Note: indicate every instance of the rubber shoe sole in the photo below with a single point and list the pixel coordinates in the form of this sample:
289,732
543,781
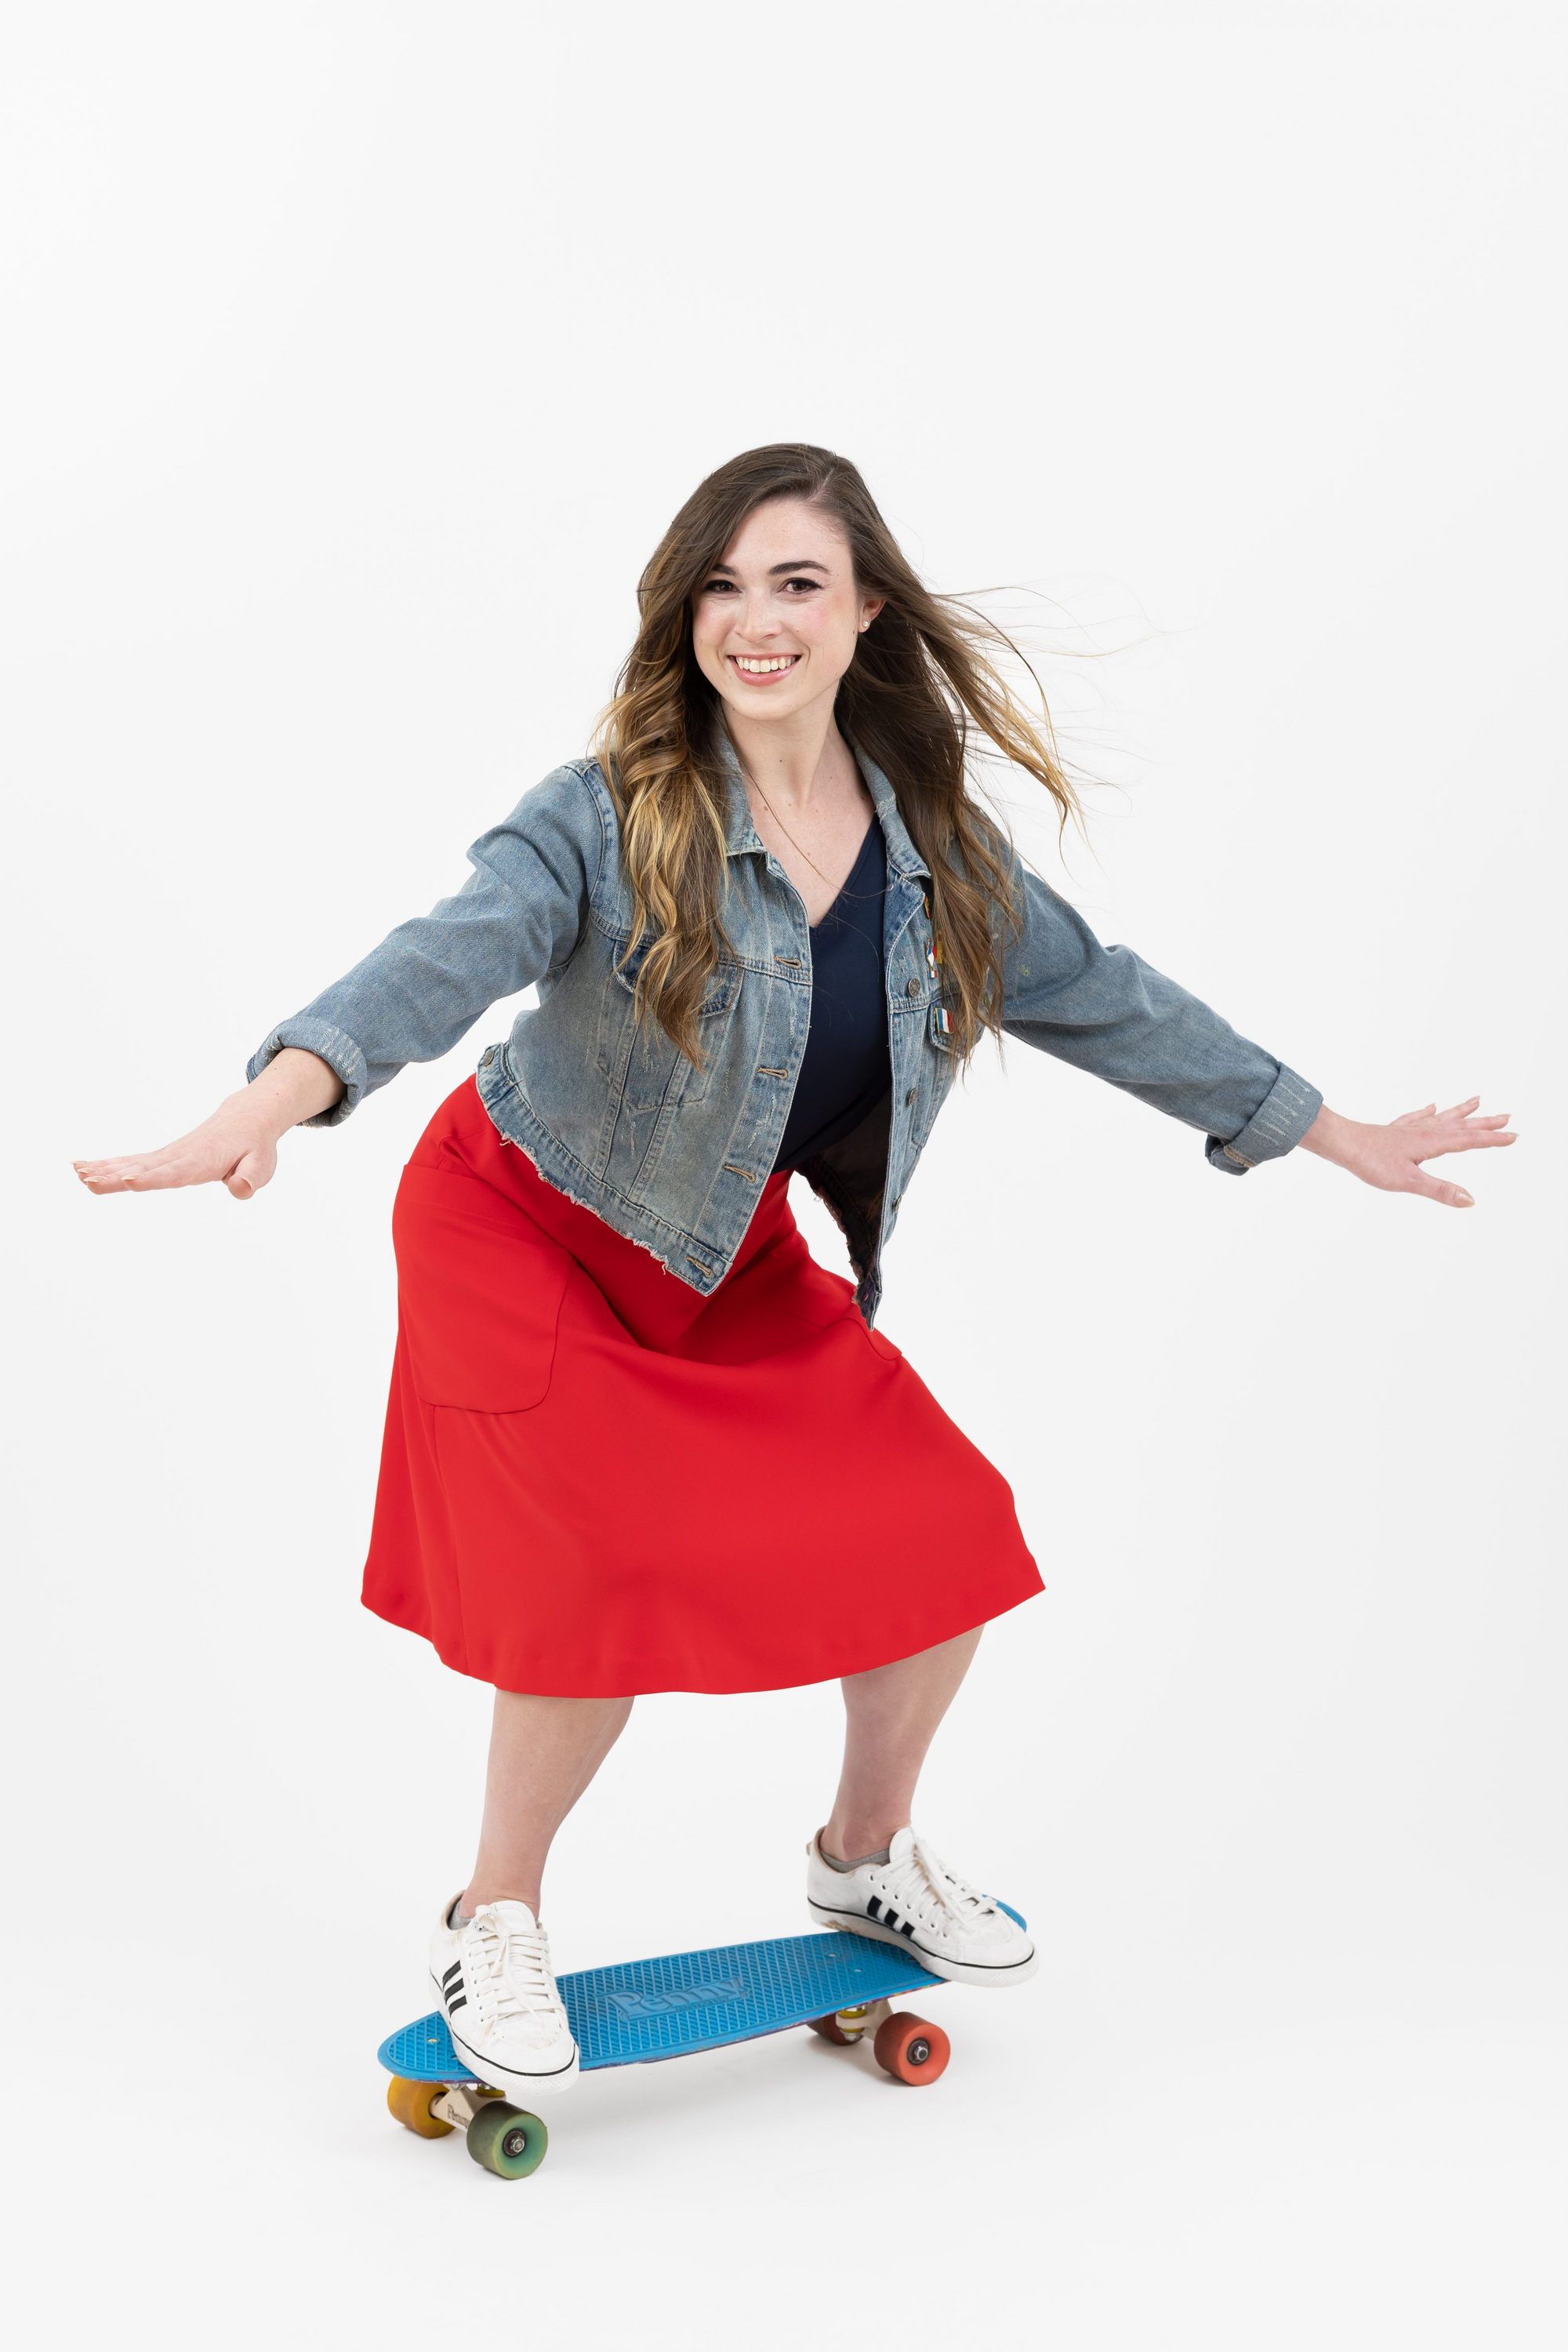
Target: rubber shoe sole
1014,1972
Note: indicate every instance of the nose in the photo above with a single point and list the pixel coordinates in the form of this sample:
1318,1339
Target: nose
758,620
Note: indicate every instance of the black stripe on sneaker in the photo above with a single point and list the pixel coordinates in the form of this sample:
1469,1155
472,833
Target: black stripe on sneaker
874,1907
906,1929
453,2006
451,1972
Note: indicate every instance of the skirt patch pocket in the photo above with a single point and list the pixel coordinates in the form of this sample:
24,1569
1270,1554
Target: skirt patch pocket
479,1292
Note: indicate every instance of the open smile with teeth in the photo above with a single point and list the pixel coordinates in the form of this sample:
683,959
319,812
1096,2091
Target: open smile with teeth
774,665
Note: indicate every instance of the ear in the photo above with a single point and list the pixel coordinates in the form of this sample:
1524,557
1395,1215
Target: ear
869,612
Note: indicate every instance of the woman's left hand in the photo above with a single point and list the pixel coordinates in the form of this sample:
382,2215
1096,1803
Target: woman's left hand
1390,1157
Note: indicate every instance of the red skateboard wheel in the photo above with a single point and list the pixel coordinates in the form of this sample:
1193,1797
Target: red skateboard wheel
911,2049
828,2026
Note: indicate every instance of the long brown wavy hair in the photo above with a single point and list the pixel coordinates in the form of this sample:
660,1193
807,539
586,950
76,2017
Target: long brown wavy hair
922,686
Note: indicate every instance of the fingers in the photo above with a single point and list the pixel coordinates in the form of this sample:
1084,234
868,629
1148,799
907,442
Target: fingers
125,1163
154,1174
1476,1134
162,1175
1460,1129
250,1172
150,1171
1433,1187
109,1175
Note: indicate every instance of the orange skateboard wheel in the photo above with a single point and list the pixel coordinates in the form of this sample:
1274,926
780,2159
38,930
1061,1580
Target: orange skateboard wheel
911,2050
830,2029
411,2102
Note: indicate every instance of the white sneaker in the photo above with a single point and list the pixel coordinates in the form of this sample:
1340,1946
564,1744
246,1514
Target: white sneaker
493,1980
915,1902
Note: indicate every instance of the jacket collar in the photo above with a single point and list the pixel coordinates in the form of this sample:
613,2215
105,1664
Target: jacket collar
741,835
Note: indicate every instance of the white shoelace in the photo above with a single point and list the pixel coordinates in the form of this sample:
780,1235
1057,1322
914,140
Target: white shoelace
508,1970
924,1889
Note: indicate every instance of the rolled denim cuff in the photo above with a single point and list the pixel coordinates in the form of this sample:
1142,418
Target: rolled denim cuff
334,1047
1277,1127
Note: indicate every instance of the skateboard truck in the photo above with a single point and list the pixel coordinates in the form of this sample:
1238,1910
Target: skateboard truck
460,2103
854,2023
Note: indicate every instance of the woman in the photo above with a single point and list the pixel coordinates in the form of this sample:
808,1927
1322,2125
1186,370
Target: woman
638,1440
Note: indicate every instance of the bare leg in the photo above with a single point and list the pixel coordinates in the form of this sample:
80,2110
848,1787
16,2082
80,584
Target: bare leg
543,1753
892,1715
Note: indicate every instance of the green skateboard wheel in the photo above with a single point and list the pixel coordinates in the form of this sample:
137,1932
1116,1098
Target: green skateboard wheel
507,2141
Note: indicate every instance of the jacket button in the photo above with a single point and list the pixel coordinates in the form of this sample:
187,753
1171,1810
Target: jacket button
913,1097
898,1198
488,1058
913,987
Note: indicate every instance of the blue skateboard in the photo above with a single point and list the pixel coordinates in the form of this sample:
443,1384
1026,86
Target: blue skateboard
640,2010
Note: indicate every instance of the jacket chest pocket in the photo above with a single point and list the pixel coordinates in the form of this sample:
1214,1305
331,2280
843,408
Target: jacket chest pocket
938,1066
639,1062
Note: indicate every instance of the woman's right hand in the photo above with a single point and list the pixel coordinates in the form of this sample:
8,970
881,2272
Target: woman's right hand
237,1147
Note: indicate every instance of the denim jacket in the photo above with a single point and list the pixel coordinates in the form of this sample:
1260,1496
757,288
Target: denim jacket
674,1156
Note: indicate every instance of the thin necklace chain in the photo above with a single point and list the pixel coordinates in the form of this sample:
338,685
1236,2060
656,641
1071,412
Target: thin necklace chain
784,829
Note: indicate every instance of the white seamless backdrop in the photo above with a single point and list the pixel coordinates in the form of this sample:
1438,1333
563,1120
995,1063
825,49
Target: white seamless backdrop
356,356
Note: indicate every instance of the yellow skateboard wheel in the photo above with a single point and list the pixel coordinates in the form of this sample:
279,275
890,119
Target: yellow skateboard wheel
411,2103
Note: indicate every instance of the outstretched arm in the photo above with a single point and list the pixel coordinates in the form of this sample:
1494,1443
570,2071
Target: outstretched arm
519,915
237,1147
1108,1012
1391,1157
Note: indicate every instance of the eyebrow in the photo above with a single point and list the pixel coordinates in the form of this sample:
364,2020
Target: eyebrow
806,563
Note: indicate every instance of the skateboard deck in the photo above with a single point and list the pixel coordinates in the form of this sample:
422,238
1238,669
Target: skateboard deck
838,1983
640,2010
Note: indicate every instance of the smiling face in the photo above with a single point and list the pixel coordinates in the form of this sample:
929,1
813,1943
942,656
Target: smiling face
774,624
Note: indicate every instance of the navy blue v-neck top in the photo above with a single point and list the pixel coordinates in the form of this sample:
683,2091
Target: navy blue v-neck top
846,1070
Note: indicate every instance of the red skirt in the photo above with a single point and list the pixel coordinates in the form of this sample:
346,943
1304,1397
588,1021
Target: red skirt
595,1481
